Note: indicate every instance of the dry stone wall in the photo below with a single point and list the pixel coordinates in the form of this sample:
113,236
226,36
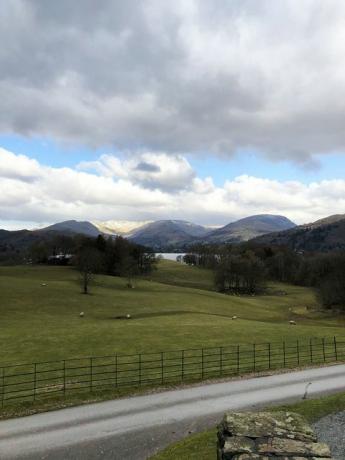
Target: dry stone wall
268,436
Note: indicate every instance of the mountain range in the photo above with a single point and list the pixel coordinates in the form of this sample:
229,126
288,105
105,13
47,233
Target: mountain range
161,235
176,235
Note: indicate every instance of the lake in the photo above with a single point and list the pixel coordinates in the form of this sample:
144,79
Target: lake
170,255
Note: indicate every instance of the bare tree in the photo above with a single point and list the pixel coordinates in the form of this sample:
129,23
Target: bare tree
89,262
129,269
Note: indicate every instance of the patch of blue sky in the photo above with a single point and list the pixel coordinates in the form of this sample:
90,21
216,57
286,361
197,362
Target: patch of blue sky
330,166
246,162
51,153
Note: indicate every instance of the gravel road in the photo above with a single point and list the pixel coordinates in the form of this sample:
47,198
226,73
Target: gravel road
331,429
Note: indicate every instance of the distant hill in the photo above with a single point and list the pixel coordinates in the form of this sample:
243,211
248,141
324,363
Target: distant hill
14,240
248,228
322,235
167,234
119,227
73,227
13,244
325,221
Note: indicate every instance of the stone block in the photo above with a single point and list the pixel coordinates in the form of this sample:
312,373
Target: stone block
290,447
268,436
256,425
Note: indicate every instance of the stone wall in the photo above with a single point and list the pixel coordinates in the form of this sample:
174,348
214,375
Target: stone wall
268,436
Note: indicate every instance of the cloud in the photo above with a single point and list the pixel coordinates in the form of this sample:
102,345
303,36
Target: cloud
151,170
183,76
25,169
147,167
124,193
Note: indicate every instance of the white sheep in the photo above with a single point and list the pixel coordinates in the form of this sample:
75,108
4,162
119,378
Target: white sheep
128,316
234,317
81,314
292,322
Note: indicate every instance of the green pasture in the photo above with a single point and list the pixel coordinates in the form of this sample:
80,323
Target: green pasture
39,323
170,272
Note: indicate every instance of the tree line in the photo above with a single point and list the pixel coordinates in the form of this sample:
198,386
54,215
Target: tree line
114,256
247,268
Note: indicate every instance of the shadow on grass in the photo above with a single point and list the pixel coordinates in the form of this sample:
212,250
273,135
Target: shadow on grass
167,313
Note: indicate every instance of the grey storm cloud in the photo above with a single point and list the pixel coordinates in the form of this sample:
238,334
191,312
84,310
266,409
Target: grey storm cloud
184,76
147,167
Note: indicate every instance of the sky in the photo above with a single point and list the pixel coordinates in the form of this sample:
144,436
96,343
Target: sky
143,110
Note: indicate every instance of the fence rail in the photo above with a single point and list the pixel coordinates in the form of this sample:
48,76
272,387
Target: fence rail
36,381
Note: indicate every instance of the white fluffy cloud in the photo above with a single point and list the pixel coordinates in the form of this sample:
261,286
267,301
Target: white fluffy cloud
152,170
31,193
181,76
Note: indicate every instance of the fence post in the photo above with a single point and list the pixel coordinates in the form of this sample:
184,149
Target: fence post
64,377
116,379
323,349
202,363
35,380
3,388
298,358
162,366
220,361
335,348
238,359
139,368
311,350
182,365
91,374
284,353
254,357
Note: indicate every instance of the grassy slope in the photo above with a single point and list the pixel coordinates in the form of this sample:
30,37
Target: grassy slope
170,272
203,445
43,323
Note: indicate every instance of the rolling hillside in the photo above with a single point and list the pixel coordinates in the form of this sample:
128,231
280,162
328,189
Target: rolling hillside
73,227
41,305
248,228
323,235
164,234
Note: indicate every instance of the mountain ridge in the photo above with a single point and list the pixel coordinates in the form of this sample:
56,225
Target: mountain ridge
162,234
166,235
72,227
250,227
325,234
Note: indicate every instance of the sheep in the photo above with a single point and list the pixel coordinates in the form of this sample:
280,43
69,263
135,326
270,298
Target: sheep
234,317
292,322
43,284
81,314
128,316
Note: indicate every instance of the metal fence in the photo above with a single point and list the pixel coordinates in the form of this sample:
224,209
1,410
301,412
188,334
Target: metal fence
36,381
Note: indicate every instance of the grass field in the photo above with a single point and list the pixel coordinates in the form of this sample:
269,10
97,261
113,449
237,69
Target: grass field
176,274
42,322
